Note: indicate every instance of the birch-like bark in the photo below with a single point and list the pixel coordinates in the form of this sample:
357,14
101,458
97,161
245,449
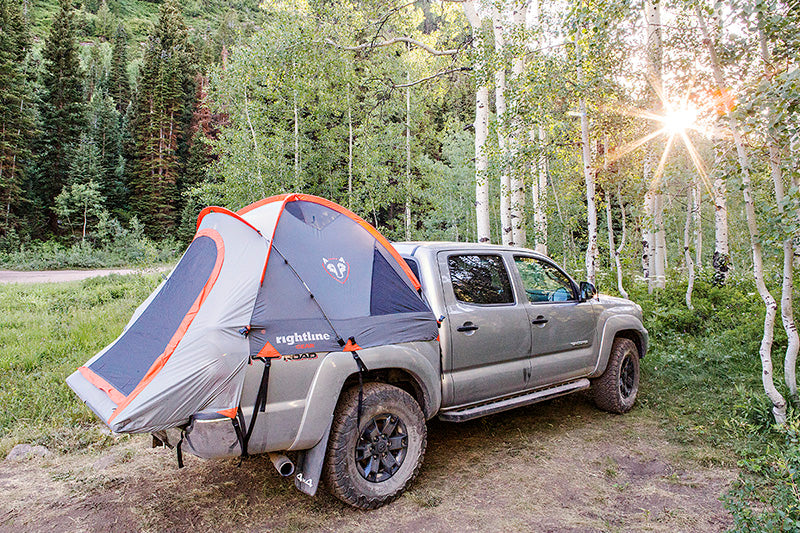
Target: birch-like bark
660,259
588,175
518,223
720,261
408,158
697,197
687,255
500,109
539,193
482,227
648,237
612,248
765,350
656,238
787,313
618,251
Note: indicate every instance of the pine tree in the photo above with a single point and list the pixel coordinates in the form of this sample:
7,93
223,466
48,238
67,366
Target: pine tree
106,135
161,121
63,112
119,87
15,115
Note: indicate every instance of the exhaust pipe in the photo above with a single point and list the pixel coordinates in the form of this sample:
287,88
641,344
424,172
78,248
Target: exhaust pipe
283,464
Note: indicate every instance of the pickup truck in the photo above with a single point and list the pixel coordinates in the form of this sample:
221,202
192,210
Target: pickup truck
514,329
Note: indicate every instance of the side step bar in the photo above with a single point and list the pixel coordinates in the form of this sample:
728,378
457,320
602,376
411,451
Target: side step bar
468,413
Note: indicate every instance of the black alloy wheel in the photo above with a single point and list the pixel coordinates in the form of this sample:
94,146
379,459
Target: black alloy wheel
627,377
381,448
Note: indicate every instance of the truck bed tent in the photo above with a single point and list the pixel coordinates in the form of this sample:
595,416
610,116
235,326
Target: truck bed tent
287,275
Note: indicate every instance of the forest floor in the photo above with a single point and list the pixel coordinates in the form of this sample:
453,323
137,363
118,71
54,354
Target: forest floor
557,466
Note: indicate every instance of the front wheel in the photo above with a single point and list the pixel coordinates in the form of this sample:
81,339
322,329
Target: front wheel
615,391
371,465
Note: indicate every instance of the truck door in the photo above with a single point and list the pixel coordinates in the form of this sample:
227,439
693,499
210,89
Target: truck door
563,327
489,330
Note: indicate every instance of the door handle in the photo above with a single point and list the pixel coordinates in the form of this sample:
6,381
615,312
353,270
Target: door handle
539,320
468,326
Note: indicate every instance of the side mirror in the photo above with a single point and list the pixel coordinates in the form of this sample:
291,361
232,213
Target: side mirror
587,291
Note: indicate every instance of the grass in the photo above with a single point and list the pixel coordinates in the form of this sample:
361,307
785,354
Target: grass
46,332
700,384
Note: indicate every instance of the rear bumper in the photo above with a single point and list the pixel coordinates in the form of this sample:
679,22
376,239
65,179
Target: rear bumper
208,435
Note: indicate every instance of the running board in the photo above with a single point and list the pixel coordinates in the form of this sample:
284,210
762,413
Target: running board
468,413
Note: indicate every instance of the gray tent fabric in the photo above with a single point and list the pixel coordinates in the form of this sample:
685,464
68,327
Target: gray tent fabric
289,274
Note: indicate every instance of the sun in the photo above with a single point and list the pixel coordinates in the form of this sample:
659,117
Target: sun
675,121
679,120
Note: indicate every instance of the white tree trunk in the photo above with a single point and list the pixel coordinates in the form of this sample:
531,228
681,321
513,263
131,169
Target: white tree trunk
518,230
697,198
765,351
502,146
660,258
618,251
648,237
656,237
588,175
787,313
539,194
687,255
483,227
720,261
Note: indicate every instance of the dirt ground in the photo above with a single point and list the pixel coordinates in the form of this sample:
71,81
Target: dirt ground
57,276
552,467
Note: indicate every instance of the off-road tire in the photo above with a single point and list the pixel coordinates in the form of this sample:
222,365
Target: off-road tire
612,391
341,474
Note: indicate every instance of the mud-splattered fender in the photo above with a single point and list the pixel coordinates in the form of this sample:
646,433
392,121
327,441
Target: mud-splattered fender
626,324
420,360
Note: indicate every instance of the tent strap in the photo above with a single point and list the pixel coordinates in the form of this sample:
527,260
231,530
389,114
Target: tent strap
260,406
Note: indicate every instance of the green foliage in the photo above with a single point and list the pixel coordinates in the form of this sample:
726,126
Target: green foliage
63,111
16,118
119,84
80,204
161,120
767,496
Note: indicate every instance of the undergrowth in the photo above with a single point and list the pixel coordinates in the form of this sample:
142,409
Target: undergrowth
112,245
703,373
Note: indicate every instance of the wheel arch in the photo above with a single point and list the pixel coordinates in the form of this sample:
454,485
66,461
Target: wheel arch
400,378
412,367
624,326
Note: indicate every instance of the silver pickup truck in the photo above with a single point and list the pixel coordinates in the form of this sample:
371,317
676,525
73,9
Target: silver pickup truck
514,329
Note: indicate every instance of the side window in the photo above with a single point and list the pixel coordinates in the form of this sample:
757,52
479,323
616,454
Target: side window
480,279
412,264
543,282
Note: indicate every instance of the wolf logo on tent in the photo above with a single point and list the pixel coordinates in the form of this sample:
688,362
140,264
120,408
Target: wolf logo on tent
250,286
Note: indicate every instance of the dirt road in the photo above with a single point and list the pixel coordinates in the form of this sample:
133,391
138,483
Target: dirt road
56,276
554,467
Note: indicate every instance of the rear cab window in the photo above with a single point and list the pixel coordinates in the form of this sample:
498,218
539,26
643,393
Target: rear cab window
480,279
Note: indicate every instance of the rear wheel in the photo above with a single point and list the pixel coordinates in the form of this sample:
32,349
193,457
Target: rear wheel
371,465
615,391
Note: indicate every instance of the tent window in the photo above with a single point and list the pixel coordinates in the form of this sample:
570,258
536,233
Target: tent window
127,361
